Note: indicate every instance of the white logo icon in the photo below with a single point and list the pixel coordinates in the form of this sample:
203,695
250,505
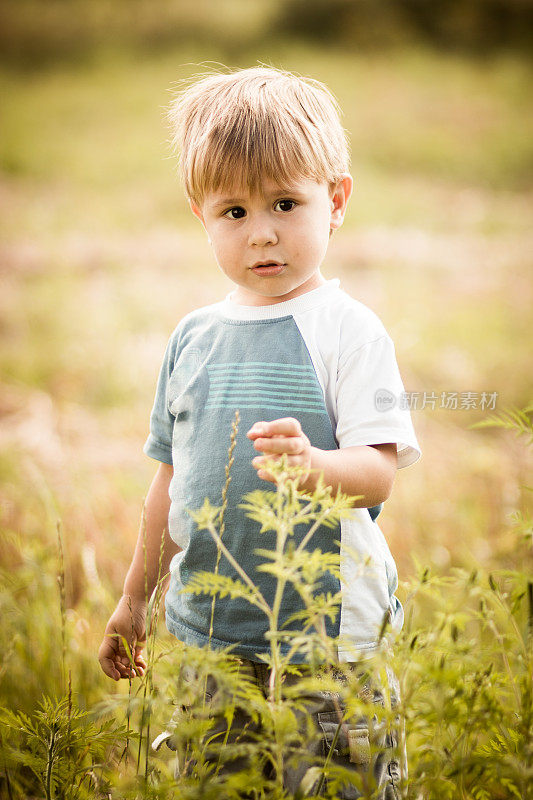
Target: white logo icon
384,400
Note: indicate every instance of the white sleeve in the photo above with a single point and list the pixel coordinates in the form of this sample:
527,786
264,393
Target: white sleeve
368,394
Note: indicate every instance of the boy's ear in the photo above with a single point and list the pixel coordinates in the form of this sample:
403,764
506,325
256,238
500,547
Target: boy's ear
196,211
340,194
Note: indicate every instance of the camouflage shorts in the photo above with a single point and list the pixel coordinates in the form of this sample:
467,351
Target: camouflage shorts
363,745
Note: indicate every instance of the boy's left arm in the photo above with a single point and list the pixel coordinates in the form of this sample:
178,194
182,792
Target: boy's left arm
366,470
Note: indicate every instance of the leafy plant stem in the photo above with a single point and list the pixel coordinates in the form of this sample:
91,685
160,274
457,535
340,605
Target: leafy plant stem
275,676
50,763
258,597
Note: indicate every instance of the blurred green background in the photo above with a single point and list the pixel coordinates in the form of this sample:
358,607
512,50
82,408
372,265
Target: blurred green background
100,257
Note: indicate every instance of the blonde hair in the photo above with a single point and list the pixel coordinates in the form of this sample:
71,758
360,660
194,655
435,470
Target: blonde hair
233,129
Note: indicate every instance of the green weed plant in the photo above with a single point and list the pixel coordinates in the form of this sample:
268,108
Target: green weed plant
464,662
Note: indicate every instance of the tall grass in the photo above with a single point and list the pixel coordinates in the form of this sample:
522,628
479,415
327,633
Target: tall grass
464,661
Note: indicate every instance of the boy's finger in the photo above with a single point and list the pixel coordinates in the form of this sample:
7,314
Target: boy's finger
139,661
258,429
285,426
128,671
112,665
265,476
108,667
286,444
260,461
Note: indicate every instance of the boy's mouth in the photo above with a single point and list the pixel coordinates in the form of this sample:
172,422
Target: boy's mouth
268,268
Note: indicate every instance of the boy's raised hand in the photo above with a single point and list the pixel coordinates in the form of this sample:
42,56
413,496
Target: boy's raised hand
128,622
279,436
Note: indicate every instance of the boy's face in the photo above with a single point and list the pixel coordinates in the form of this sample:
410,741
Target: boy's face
272,243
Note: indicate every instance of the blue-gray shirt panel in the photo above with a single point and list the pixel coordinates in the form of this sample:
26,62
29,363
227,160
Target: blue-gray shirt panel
212,367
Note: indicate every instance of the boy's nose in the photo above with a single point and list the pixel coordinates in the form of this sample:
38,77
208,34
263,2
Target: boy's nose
262,232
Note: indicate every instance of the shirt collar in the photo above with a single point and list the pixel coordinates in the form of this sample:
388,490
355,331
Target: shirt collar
302,302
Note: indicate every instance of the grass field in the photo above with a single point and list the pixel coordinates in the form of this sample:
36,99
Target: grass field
100,258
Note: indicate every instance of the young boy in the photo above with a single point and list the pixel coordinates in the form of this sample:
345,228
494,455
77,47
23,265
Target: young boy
312,372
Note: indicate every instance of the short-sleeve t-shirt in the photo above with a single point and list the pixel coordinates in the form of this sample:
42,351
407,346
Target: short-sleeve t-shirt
323,358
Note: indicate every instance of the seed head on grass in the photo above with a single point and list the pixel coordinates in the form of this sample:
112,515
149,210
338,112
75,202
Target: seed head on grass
62,604
221,521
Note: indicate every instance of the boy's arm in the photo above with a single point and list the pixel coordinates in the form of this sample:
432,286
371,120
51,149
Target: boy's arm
129,618
152,536
367,470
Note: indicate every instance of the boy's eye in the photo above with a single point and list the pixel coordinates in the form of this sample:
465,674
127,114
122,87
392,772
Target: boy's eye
237,212
284,205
